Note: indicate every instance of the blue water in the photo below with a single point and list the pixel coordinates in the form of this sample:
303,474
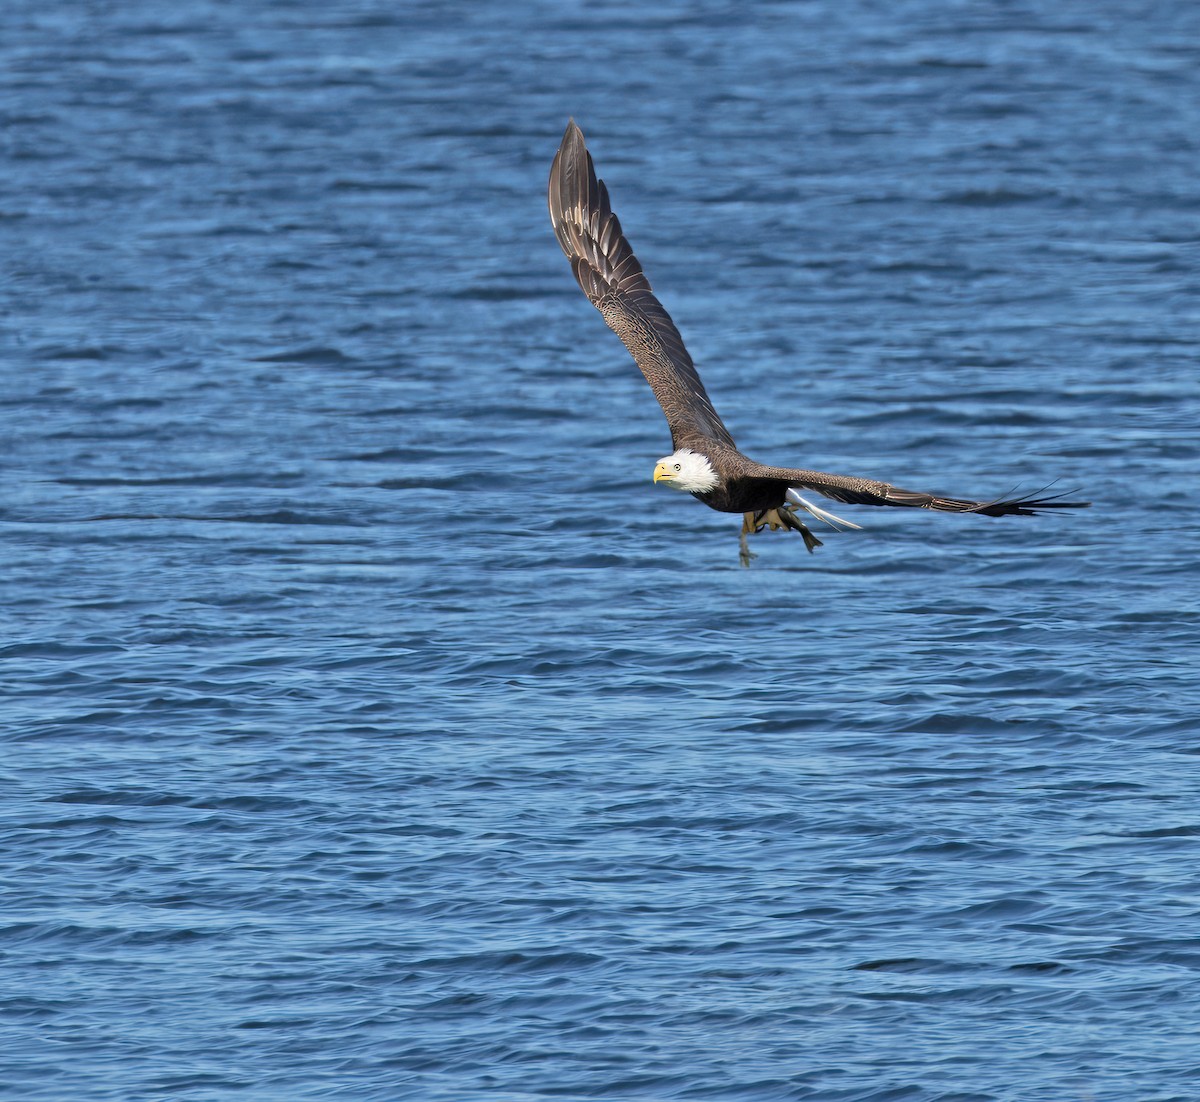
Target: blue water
374,730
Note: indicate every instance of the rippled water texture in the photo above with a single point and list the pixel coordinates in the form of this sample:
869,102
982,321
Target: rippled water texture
374,730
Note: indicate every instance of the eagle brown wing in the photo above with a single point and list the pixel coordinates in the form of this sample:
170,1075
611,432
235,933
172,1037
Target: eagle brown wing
612,279
865,491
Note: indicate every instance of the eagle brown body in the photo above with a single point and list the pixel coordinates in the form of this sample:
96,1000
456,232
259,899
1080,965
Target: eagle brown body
612,279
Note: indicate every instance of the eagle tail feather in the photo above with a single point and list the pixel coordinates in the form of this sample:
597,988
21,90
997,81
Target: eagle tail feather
819,513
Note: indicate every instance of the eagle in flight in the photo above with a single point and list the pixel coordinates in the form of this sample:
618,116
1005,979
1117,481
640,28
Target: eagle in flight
706,463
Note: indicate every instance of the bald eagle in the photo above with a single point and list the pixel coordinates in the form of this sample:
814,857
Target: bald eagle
706,463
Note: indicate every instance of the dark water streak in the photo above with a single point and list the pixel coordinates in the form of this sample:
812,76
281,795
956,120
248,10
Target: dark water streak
373,730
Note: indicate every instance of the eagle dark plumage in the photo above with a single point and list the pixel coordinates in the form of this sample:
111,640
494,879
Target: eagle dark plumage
706,462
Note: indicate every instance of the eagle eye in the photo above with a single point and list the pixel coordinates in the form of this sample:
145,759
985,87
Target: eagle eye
677,467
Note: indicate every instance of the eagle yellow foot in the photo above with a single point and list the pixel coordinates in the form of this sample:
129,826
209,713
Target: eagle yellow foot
783,517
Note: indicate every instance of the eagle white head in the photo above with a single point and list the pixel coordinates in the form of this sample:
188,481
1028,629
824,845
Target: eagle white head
686,470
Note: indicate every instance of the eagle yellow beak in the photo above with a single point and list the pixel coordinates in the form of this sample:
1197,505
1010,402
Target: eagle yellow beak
663,472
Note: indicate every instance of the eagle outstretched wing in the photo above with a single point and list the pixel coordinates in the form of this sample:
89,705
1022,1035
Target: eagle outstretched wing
612,279
851,490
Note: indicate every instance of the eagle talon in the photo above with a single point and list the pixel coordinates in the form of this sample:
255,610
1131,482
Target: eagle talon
782,518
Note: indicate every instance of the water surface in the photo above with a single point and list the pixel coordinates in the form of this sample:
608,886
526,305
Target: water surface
374,730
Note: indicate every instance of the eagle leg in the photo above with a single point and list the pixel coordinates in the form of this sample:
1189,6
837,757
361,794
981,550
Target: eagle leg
745,555
781,517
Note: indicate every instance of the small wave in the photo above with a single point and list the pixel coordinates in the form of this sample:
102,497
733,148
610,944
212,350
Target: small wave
307,354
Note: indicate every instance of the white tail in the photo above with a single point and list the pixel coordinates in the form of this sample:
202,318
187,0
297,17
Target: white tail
819,513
